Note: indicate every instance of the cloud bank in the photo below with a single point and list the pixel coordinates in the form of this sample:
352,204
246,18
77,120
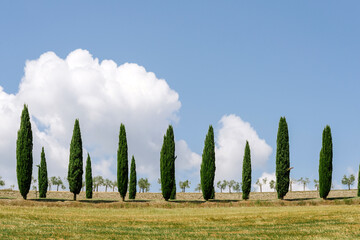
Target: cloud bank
231,141
102,95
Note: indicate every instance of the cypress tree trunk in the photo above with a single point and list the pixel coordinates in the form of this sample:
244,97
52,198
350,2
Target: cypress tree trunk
24,159
122,159
88,178
75,170
207,170
282,159
43,179
325,163
246,173
133,180
167,165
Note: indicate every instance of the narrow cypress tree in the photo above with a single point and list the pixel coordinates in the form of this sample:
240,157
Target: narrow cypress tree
359,183
133,181
88,178
282,159
43,179
75,170
246,173
24,159
207,170
167,165
325,163
122,160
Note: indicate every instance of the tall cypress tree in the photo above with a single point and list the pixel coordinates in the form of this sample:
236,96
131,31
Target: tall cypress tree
75,170
24,159
359,182
358,194
88,178
246,173
43,179
207,170
122,160
325,163
282,159
167,165
133,181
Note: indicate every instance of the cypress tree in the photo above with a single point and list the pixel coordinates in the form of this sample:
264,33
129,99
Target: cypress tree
24,159
167,165
282,159
325,163
88,178
75,170
207,170
43,179
246,173
133,181
358,194
122,162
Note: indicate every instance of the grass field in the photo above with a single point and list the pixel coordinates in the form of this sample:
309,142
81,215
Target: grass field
295,222
149,217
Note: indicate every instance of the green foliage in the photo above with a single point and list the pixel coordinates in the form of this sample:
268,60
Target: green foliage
144,185
282,159
167,165
198,188
56,181
24,158
43,179
349,181
75,170
222,185
98,181
185,184
133,180
246,173
122,162
272,184
2,182
207,170
325,163
88,178
358,194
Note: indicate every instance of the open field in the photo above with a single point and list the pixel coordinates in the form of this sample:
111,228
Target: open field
297,195
295,222
303,215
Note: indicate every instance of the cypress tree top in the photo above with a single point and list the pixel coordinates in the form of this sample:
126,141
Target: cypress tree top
75,170
282,159
24,158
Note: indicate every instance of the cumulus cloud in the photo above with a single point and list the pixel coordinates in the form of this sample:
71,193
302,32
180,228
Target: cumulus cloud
230,145
102,95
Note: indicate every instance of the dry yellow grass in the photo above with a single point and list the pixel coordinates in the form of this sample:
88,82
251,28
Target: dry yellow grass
295,222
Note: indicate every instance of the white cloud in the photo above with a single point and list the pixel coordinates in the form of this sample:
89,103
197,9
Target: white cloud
102,95
230,145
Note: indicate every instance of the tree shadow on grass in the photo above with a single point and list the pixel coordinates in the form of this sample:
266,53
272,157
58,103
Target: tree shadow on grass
340,198
224,200
49,200
187,201
299,199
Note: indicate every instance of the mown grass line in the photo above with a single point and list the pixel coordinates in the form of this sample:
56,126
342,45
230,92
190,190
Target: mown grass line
295,222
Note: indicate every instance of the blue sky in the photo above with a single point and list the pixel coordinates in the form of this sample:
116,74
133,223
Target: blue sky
259,60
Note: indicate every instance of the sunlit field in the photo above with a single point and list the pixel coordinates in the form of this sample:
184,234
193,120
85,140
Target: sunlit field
150,217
